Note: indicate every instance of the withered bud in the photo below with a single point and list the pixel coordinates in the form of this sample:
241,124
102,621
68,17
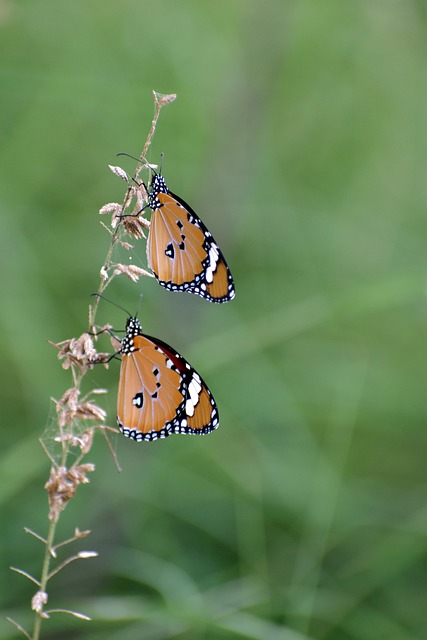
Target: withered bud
102,358
141,194
133,225
118,171
69,409
116,343
141,198
131,271
78,474
162,99
90,411
83,347
79,352
126,245
97,330
87,554
38,601
69,400
84,441
62,486
110,207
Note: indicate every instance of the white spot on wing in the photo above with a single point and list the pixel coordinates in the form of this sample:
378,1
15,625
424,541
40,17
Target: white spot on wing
189,408
194,389
213,261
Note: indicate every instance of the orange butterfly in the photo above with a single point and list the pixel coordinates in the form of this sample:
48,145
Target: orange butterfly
182,253
159,392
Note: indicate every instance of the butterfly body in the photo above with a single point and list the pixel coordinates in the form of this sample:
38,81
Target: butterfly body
159,392
182,253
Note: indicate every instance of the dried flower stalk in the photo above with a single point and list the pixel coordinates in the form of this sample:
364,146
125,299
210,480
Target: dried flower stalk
78,416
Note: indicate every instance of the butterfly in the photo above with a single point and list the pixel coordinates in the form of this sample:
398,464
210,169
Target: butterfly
181,252
159,391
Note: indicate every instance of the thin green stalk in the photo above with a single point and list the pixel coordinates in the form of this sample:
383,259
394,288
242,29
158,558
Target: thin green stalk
47,556
44,576
79,365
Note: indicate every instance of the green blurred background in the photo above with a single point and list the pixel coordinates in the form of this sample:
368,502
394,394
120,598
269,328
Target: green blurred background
300,136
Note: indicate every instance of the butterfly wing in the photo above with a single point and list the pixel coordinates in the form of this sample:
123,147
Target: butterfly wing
151,396
200,415
183,254
160,393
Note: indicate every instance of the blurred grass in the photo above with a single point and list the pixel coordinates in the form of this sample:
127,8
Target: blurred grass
300,136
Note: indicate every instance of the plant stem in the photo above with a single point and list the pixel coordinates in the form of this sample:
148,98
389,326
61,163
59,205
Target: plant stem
117,231
45,574
78,375
48,551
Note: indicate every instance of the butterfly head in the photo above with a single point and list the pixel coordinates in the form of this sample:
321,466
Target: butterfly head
133,328
158,185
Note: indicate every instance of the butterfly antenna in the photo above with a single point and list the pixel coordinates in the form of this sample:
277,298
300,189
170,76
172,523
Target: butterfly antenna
142,161
139,305
99,295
